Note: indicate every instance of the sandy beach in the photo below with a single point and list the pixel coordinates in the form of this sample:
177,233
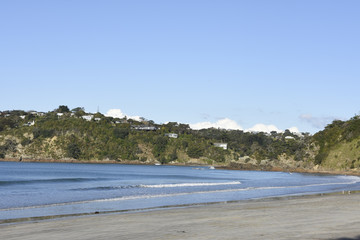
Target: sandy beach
308,217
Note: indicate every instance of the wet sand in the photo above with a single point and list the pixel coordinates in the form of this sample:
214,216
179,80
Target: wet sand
308,217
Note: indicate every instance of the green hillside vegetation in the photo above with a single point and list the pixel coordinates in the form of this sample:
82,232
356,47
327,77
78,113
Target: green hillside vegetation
339,145
75,134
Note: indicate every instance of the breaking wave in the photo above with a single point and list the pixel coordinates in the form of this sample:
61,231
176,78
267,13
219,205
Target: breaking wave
190,185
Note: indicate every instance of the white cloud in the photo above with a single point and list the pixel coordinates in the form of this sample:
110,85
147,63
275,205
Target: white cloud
227,123
294,130
117,113
224,123
269,128
263,128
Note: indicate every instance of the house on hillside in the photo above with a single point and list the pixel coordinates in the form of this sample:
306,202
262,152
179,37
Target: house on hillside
171,135
144,128
221,145
40,114
87,117
289,138
30,123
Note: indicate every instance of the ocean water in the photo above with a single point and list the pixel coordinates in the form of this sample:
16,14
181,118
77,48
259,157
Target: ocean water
44,189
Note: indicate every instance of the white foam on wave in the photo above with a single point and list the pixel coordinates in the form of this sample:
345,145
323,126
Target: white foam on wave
353,179
189,185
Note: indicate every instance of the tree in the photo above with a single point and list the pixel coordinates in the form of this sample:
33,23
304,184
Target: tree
160,144
73,150
63,109
7,122
40,132
121,132
79,111
195,151
9,146
172,156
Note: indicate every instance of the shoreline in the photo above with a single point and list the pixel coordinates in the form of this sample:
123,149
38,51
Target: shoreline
319,216
225,167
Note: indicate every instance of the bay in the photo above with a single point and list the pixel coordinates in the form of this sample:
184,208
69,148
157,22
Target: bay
46,189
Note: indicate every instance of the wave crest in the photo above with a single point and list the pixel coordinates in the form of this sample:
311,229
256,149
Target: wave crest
189,185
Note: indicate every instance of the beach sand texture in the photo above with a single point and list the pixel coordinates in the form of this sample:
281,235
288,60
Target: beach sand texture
307,217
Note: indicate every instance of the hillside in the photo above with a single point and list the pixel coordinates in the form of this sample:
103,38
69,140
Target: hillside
339,145
76,135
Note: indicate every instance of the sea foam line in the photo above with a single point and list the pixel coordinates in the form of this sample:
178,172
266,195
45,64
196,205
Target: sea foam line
189,185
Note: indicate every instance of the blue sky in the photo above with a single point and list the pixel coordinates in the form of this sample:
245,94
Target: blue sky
232,64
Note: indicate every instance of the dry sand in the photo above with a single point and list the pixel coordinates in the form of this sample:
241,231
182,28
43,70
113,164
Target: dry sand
308,217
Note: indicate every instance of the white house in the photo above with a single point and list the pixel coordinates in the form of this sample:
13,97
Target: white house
289,138
172,135
36,113
30,123
145,128
88,117
222,145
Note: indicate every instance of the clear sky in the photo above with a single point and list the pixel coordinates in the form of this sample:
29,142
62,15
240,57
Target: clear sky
223,63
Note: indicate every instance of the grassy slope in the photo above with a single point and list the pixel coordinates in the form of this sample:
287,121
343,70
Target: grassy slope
344,156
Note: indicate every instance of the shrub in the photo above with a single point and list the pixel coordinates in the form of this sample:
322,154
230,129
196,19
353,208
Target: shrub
73,150
195,151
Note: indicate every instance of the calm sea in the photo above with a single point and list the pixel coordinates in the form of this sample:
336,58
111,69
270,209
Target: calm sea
43,189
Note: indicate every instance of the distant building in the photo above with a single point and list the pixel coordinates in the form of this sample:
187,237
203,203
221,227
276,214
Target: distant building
144,128
171,135
121,121
30,123
88,117
36,113
59,114
289,138
221,145
97,119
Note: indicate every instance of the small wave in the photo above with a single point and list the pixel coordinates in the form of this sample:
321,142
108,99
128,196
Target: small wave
354,179
189,185
175,185
106,188
55,180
